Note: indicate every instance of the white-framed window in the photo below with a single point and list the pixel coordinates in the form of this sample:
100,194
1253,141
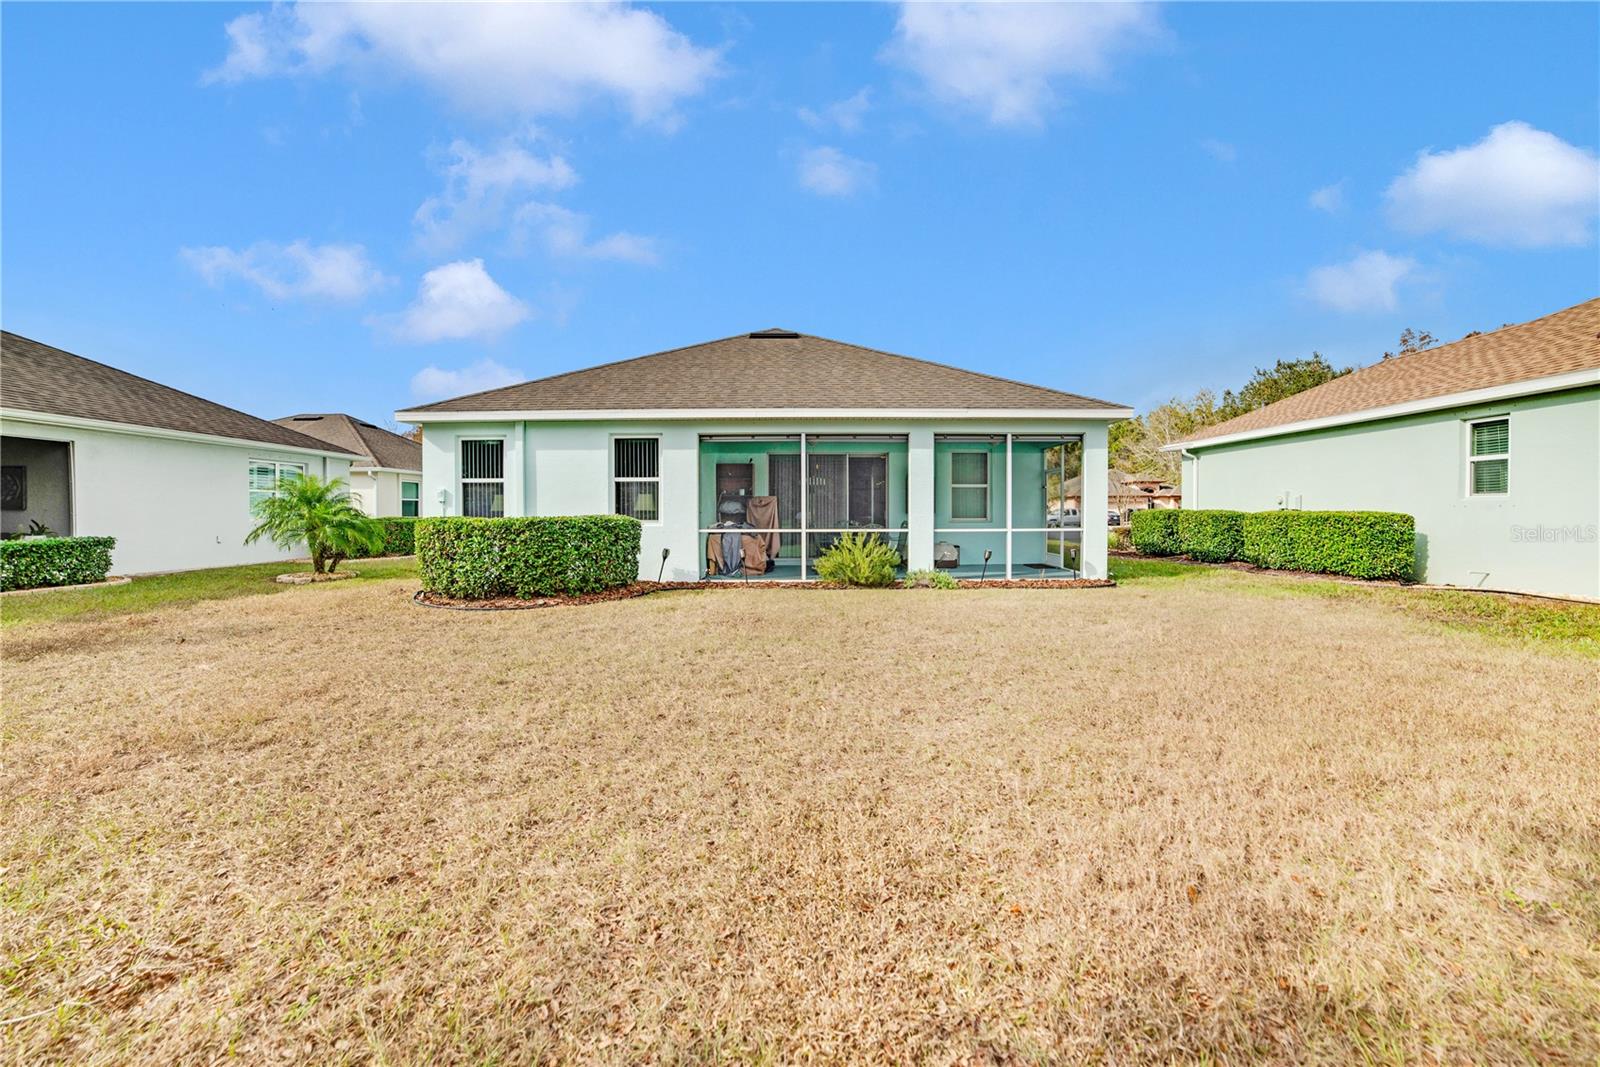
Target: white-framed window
636,477
410,499
483,477
1489,457
265,476
969,486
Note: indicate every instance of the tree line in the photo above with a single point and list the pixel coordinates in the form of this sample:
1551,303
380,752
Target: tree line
1136,444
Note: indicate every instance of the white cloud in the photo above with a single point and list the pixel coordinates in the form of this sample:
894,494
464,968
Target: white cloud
1005,59
436,383
566,233
1329,198
457,301
1365,282
1221,151
827,171
478,184
1518,186
524,59
299,270
846,115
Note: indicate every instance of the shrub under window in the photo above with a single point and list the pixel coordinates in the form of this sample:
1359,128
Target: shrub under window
527,557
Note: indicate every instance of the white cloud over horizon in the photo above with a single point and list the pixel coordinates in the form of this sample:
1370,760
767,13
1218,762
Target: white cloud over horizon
456,301
1329,198
437,383
522,59
845,115
480,182
565,233
299,270
827,171
1519,187
1366,282
1006,60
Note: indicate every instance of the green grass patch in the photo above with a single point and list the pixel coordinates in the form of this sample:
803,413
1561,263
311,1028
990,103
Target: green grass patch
187,587
1550,625
1133,570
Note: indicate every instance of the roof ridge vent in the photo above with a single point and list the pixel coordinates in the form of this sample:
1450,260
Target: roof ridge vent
774,334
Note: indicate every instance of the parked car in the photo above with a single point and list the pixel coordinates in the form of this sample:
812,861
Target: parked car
1114,518
1063,517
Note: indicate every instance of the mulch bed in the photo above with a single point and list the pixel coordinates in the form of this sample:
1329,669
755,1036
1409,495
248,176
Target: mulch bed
638,589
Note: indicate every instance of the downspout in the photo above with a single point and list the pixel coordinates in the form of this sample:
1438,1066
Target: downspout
1184,453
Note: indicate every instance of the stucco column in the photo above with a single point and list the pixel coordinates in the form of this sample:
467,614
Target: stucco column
919,499
1092,511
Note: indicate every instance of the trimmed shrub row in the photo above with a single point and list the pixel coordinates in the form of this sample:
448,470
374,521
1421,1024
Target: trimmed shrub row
477,559
44,561
1361,544
399,537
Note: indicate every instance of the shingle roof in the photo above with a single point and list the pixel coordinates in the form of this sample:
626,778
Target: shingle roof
36,377
782,370
1566,341
378,447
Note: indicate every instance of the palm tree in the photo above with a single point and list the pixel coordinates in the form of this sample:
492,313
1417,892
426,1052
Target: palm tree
318,513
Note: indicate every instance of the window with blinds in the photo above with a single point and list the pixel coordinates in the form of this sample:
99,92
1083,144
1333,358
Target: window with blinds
483,479
410,499
636,477
969,486
265,479
1489,465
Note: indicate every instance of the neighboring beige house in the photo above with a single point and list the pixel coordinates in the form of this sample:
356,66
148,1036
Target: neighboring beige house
387,479
88,449
1126,493
1492,443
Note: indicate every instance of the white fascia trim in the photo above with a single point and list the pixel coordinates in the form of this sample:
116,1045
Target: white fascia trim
73,422
362,469
747,414
1555,383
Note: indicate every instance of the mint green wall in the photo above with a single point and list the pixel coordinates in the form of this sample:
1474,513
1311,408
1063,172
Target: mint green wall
564,468
1418,465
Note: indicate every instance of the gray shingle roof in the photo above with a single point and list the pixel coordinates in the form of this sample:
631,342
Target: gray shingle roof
1559,343
784,370
37,377
377,447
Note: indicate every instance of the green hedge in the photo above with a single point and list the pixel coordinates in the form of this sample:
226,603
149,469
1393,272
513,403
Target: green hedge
527,557
1211,536
399,537
1362,544
1155,531
46,561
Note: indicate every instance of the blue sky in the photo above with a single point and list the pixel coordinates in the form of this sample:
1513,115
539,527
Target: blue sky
288,209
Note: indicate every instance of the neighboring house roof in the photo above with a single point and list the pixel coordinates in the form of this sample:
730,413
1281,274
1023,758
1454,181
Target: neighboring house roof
377,447
769,370
1545,350
36,378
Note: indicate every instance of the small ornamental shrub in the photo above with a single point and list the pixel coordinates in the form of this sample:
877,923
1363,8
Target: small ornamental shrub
858,558
1155,531
399,537
478,559
930,580
54,561
1211,536
1361,544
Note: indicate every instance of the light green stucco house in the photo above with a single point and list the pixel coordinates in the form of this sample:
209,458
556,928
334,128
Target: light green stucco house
1492,443
944,463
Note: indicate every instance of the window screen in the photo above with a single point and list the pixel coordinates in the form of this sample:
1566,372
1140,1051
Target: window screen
636,477
483,485
969,485
1490,463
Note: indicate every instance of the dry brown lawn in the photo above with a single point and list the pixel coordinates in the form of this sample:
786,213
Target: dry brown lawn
1169,821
